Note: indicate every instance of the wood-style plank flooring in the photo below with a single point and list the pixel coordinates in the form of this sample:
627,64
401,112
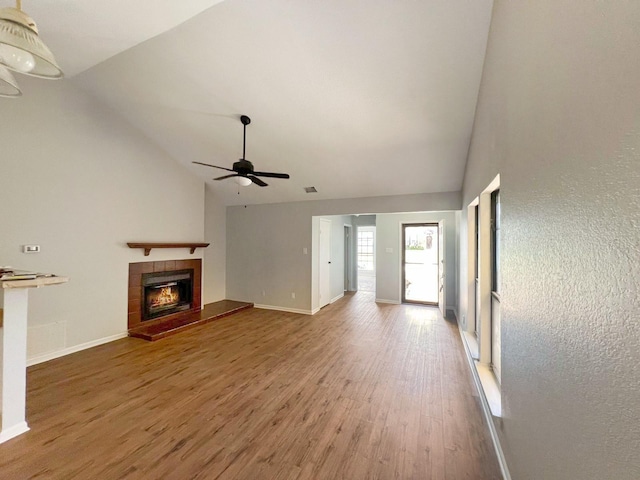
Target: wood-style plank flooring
358,391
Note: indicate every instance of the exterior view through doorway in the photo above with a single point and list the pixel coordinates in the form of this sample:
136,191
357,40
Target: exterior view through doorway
366,249
420,269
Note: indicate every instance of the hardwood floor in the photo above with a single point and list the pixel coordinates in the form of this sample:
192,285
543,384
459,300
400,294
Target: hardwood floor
357,391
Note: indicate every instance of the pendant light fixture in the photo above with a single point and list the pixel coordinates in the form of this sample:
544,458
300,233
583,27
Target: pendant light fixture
8,85
22,50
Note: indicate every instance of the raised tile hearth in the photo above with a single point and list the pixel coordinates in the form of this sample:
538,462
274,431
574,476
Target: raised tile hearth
165,297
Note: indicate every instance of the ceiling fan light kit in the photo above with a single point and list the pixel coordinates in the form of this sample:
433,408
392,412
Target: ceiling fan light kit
242,181
22,50
243,172
8,85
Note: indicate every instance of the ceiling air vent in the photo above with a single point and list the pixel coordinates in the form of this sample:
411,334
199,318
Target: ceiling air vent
310,189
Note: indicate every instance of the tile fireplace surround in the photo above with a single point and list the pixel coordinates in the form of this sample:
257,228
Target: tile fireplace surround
135,304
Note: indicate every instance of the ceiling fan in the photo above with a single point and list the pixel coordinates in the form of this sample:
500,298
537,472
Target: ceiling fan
244,168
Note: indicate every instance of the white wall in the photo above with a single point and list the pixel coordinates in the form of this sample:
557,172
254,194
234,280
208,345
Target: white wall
388,265
215,263
265,244
558,118
80,182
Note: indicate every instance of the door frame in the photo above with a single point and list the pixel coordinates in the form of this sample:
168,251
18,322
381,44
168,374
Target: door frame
403,298
442,271
322,301
348,257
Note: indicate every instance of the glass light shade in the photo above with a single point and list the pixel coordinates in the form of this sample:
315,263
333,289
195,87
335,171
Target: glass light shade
19,31
243,181
19,60
8,85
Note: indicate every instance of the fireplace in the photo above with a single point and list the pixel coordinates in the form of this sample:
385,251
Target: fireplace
163,291
166,293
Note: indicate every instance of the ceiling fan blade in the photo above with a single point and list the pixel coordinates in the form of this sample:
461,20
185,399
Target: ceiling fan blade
271,174
257,181
214,166
226,176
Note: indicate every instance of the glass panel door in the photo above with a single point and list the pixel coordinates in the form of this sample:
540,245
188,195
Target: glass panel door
420,263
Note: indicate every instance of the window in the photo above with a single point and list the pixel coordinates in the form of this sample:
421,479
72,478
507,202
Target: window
495,241
365,250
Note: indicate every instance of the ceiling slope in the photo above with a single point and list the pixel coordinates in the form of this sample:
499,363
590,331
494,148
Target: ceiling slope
359,98
83,33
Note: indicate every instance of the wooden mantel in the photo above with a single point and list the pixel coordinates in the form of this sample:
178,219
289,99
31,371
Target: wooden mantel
148,246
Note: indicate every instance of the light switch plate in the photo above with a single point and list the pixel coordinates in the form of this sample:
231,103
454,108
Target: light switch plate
31,248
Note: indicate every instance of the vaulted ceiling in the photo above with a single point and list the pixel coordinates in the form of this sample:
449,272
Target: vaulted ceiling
357,98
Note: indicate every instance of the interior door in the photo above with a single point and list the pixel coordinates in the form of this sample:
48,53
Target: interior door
324,260
441,271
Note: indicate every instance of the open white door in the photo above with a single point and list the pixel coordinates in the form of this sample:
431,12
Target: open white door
441,270
324,261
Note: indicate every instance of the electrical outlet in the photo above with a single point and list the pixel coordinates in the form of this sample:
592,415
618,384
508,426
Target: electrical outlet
293,294
304,250
263,293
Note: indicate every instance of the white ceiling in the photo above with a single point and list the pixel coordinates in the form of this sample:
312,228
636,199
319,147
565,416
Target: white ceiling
357,98
83,33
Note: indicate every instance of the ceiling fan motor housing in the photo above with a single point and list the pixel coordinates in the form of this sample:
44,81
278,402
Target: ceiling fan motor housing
243,167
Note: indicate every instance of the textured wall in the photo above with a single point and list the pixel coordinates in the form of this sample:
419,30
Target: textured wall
558,117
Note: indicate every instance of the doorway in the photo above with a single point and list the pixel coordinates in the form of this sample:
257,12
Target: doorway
420,263
366,248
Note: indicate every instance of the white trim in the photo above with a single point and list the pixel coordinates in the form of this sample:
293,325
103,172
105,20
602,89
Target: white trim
383,300
472,252
472,343
336,298
490,387
286,309
327,223
486,409
13,432
76,348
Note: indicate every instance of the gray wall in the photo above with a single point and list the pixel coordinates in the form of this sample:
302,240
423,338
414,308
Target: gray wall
265,243
558,118
215,233
388,235
80,182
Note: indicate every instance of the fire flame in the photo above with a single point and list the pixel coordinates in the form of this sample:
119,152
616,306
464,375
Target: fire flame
167,296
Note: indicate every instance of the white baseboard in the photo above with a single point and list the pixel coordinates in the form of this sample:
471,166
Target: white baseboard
383,300
335,299
486,409
285,309
76,348
13,432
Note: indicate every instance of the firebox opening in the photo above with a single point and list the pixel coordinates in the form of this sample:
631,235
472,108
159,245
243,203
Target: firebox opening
167,292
